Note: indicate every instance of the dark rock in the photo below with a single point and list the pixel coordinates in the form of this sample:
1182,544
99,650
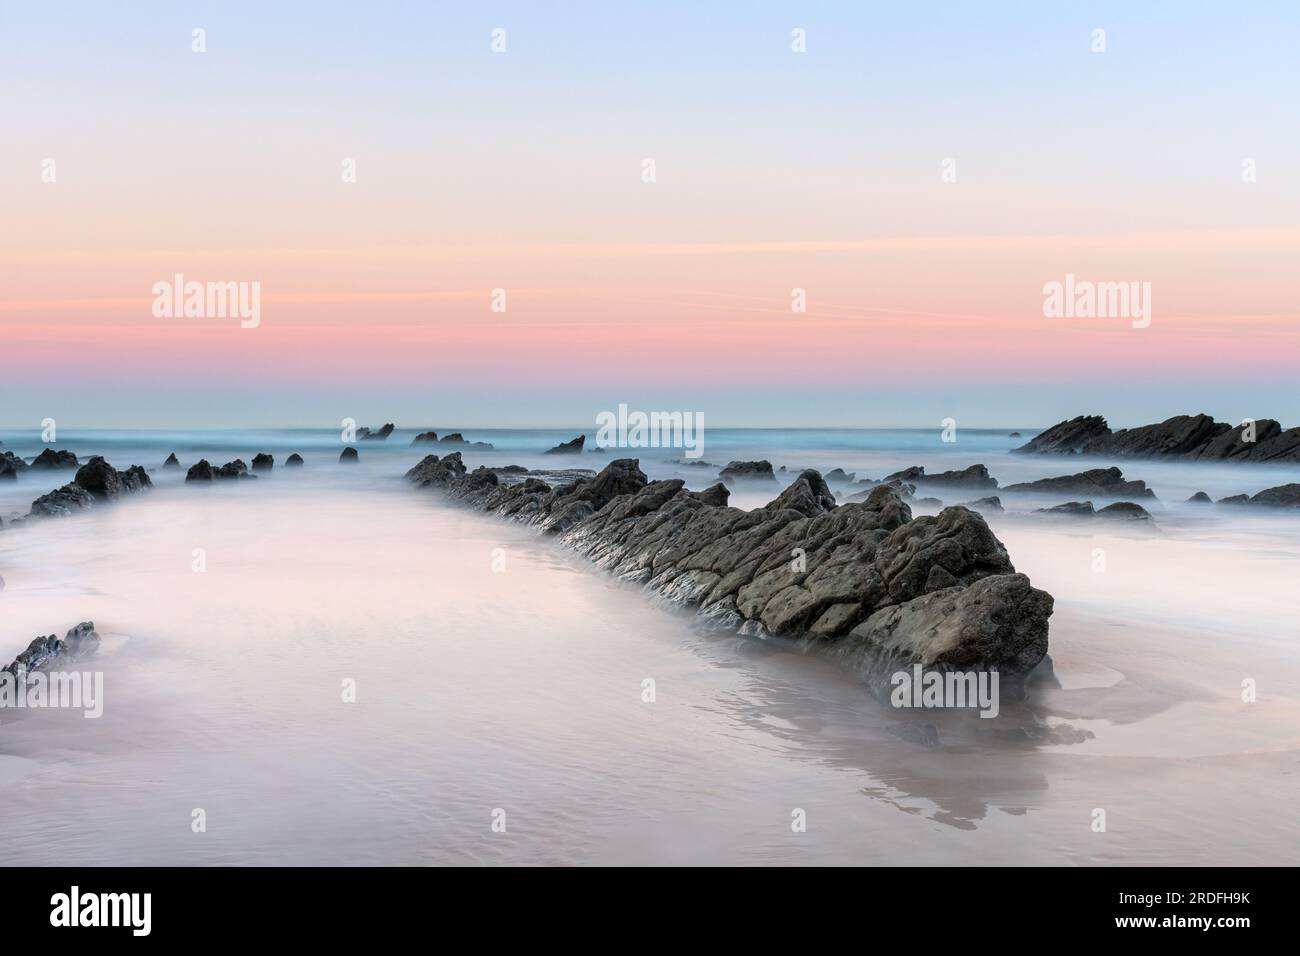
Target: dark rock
433,470
45,653
976,476
1281,496
837,476
201,471
571,447
233,469
747,471
348,456
1183,436
172,461
798,567
1200,498
1014,435
807,495
365,434
716,495
1074,508
104,481
991,504
1235,500
1126,510
11,465
424,437
50,459
63,502
263,461
457,439
294,460
1097,482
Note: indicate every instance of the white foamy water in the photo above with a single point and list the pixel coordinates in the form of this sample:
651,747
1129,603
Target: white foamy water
522,690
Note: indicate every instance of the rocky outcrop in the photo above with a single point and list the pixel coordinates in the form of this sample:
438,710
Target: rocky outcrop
800,567
349,456
990,504
50,459
424,437
1097,482
63,502
1123,510
1281,496
457,440
365,434
104,481
571,447
1200,498
172,461
11,466
47,653
838,476
976,477
747,471
203,470
263,461
1197,437
200,471
293,461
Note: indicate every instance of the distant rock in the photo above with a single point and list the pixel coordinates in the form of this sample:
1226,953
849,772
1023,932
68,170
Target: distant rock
716,495
1097,482
172,461
976,476
1200,498
434,470
456,439
365,434
293,461
747,471
571,447
233,470
1197,437
990,504
11,465
1014,435
424,437
263,461
1281,496
1126,510
200,471
49,459
349,456
1069,508
837,476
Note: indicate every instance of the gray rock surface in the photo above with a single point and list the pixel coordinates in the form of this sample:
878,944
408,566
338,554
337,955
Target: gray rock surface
747,471
1183,436
571,447
1095,483
800,567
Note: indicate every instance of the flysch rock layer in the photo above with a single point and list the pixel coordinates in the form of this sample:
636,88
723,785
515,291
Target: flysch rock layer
880,588
1189,437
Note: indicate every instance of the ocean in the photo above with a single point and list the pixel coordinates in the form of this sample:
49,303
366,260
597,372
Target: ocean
327,666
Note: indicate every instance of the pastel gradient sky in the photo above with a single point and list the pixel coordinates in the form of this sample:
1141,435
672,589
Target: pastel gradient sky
522,171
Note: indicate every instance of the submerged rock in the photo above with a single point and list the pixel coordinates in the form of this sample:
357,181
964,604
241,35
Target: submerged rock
1126,510
976,476
294,461
799,567
200,471
747,471
172,461
1200,498
349,456
365,434
991,504
1281,496
571,447
1096,483
424,437
233,469
11,465
263,461
456,439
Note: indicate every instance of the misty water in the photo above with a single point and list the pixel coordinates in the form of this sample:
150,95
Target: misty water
495,672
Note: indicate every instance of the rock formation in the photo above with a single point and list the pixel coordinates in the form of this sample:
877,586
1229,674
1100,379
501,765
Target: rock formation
349,456
885,589
365,434
1097,482
747,471
1183,436
50,459
571,447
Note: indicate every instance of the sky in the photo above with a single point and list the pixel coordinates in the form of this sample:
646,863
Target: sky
919,171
